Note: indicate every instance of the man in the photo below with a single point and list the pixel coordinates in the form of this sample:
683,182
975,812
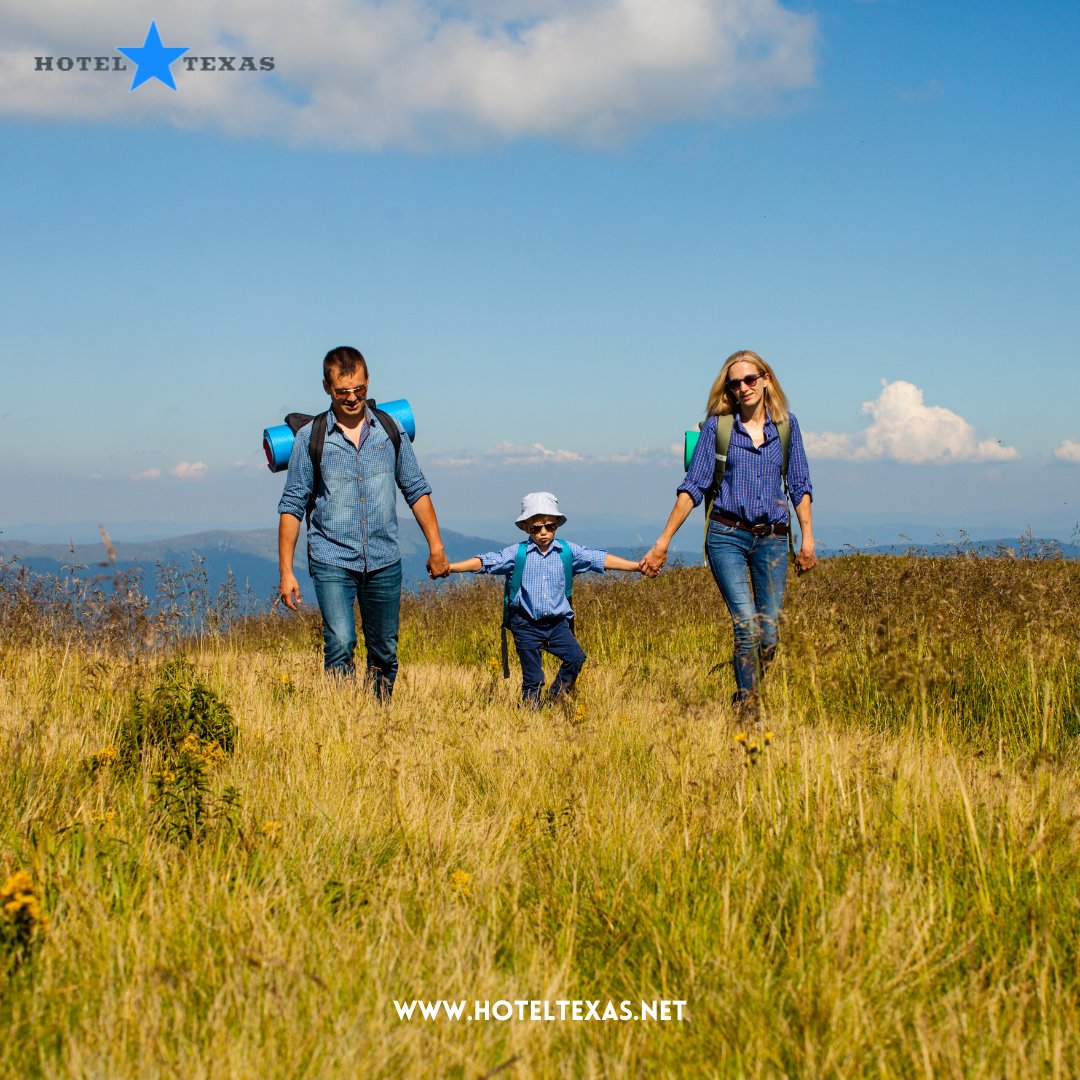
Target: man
353,550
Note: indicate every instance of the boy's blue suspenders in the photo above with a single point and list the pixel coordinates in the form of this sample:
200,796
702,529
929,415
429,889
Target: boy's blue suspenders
513,590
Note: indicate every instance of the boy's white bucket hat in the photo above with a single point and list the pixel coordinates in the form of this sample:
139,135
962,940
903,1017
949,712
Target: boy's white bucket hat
539,502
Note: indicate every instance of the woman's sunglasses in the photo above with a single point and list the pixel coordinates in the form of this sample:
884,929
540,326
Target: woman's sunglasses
750,380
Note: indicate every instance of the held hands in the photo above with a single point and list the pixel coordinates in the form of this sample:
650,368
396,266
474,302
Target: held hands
438,566
654,560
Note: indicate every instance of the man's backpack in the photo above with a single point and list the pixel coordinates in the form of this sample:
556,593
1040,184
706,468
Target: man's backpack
724,424
297,420
513,589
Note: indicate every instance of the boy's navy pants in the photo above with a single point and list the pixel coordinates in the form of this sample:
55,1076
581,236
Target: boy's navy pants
532,637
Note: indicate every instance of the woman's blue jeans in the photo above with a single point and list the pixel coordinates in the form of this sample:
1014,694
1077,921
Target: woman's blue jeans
378,592
751,572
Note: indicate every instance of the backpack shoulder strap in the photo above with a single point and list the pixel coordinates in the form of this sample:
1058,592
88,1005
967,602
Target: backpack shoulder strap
783,429
510,592
567,557
388,425
513,582
315,449
724,424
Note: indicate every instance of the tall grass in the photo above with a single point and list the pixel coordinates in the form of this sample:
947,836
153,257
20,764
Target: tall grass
888,887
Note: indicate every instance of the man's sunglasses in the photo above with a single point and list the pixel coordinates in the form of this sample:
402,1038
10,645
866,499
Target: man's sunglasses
542,526
360,391
750,380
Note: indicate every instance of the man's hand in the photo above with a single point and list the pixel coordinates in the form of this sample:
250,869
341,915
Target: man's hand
289,591
438,565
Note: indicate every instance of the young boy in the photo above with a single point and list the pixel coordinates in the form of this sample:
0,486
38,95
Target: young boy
539,615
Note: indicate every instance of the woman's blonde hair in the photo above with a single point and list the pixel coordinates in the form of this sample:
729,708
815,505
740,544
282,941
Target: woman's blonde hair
722,403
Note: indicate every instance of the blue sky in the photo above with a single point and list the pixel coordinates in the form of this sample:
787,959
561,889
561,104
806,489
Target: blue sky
546,224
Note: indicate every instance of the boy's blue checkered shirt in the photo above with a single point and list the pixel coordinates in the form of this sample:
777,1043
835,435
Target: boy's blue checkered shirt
752,489
354,521
543,580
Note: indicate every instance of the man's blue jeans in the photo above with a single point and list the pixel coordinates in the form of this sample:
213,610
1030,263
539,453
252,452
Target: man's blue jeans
378,593
531,638
751,572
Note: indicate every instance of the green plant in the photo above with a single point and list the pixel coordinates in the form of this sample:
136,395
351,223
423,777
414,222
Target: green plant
179,705
23,922
186,808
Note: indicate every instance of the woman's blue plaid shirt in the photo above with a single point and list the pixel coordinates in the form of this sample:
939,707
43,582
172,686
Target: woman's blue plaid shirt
752,489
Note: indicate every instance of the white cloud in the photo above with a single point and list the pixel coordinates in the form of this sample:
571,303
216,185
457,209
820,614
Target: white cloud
190,470
905,429
931,90
1069,450
412,73
507,454
453,461
511,454
147,474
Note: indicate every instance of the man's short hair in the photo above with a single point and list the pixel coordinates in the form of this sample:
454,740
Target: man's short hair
344,360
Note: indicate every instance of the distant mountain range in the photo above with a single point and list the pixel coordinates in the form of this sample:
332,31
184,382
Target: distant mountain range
252,555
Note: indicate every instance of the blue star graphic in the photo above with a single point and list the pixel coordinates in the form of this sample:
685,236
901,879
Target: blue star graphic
153,60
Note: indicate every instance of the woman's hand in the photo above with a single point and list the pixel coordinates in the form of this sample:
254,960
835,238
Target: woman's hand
654,560
657,555
806,559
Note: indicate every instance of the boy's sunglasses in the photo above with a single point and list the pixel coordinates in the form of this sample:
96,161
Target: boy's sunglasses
750,380
543,526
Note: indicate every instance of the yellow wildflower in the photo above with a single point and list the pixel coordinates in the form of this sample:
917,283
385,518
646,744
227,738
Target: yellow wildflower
19,882
272,830
103,757
21,904
740,736
461,882
212,754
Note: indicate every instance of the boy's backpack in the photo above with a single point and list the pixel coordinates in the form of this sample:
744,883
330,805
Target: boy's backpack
513,589
724,424
297,420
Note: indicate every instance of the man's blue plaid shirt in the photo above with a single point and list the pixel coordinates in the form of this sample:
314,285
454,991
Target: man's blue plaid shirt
354,522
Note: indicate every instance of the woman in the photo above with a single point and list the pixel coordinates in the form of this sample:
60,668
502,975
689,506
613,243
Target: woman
747,539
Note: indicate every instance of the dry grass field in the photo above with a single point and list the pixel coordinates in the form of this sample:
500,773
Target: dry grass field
213,863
